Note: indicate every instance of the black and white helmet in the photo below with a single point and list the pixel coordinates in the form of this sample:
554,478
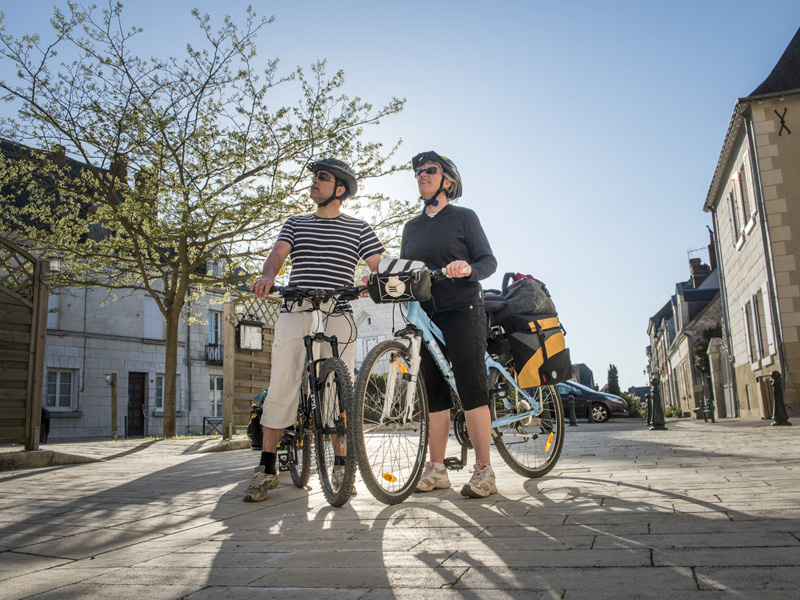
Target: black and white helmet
341,170
448,166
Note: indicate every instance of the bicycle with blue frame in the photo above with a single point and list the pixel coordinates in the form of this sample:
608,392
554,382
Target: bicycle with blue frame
390,422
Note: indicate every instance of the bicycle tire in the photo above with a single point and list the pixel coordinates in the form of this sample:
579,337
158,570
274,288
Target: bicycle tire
533,446
391,454
331,435
300,449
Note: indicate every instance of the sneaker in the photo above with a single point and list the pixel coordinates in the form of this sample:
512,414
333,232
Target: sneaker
260,484
337,478
432,479
481,484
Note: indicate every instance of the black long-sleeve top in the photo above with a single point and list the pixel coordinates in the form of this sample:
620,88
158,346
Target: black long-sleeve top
454,233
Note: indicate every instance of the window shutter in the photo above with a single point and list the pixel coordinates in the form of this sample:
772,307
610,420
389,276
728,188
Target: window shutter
746,327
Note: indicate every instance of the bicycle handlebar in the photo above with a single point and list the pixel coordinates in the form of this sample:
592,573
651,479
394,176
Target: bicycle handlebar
293,292
437,274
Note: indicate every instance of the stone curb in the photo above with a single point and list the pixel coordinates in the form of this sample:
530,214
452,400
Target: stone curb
33,459
226,445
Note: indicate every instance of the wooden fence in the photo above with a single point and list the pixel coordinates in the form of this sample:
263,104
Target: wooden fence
24,291
245,373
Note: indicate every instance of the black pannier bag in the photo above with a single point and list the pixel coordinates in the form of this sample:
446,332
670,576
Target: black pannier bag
399,280
534,332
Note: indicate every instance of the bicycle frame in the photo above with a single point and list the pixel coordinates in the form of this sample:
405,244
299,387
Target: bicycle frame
423,329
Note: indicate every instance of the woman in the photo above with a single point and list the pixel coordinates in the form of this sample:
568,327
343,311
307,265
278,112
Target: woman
451,236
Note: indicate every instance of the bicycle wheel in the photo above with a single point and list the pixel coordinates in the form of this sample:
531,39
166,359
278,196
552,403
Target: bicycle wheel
336,462
390,435
531,446
300,449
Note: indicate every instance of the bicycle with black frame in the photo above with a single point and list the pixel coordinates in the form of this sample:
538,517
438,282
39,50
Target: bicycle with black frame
326,398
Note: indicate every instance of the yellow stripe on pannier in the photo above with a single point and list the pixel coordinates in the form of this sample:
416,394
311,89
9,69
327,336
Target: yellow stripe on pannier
549,323
528,375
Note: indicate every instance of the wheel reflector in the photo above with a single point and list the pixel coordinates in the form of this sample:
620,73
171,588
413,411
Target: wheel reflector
389,477
549,442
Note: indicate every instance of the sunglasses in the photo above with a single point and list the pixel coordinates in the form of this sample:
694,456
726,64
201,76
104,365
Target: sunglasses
325,177
429,171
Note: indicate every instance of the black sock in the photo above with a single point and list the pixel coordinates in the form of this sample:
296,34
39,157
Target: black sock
339,460
268,460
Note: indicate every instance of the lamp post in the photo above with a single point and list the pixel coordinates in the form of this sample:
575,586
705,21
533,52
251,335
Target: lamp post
111,380
658,408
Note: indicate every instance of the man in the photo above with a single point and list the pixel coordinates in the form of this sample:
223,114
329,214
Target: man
325,248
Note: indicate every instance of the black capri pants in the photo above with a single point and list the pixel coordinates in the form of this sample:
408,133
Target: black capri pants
464,332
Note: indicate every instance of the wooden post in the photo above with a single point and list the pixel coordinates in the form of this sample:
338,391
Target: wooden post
113,384
228,370
38,344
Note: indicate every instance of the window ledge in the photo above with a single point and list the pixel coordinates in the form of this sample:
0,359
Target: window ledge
750,224
65,414
158,412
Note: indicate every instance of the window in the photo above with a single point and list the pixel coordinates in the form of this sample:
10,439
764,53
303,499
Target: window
216,396
154,328
160,393
60,389
744,193
734,215
751,338
53,304
214,332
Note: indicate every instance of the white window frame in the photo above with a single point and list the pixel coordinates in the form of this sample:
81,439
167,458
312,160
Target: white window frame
72,385
749,333
159,393
215,327
215,395
733,208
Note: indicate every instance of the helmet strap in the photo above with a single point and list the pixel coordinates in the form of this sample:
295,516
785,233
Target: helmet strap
433,200
333,197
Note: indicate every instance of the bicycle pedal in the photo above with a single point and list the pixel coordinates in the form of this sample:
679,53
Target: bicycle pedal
451,463
283,461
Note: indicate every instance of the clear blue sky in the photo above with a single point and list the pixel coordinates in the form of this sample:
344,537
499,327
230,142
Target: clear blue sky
586,132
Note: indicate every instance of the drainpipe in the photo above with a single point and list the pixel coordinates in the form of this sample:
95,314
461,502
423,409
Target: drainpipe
766,239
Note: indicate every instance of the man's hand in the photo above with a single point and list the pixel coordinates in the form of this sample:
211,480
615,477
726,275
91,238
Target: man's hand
459,268
261,287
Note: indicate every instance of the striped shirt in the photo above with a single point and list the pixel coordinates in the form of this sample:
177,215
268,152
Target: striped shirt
325,252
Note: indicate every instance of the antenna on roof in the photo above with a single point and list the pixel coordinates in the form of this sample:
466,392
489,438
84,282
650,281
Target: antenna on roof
691,250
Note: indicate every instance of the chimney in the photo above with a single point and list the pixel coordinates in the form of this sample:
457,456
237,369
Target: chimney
699,271
119,168
712,249
59,154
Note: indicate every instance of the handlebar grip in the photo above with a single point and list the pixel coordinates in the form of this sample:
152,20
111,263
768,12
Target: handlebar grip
466,270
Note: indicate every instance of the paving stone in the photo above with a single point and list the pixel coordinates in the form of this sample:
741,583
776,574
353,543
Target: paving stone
624,514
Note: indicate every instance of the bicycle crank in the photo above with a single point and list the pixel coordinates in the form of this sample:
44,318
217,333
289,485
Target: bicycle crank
460,428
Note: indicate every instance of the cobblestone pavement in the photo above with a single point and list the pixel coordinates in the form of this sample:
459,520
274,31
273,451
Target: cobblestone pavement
698,511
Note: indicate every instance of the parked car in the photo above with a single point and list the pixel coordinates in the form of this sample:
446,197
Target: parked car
603,405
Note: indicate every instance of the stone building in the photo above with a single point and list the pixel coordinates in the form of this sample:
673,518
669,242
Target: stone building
689,317
754,199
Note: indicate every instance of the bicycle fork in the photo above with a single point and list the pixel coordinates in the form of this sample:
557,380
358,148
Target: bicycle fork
396,369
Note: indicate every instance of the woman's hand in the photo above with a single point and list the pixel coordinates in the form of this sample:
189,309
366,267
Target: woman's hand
459,268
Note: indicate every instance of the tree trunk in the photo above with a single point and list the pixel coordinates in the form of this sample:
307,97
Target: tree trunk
171,369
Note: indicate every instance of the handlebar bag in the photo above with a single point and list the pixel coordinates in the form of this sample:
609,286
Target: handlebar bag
399,280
